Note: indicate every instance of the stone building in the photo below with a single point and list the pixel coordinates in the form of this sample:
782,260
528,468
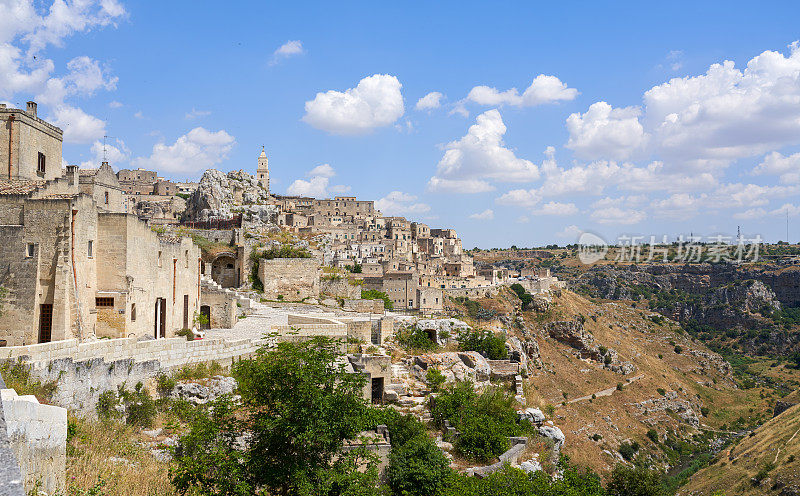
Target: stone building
137,181
262,173
30,148
74,265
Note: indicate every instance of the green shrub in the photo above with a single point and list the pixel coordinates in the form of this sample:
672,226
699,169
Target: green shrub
628,450
435,379
140,409
414,338
661,391
653,435
165,384
678,349
374,294
187,333
636,481
417,468
484,342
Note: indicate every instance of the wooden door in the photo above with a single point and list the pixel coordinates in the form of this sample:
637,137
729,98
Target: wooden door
45,322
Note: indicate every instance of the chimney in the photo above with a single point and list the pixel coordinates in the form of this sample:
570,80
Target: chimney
32,109
72,174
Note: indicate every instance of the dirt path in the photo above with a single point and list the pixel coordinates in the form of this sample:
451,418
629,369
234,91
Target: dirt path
605,392
778,452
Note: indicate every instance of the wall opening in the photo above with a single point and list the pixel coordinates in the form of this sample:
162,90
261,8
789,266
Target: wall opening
205,311
45,322
377,390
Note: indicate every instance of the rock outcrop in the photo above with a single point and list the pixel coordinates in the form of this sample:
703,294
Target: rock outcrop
199,394
223,196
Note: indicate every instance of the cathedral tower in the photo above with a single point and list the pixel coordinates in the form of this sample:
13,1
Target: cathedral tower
263,170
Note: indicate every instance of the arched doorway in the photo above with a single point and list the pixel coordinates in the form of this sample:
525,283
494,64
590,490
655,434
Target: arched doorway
223,270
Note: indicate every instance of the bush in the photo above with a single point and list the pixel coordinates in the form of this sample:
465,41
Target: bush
678,349
374,294
165,384
417,468
484,421
653,435
414,338
484,342
637,481
435,379
628,450
138,407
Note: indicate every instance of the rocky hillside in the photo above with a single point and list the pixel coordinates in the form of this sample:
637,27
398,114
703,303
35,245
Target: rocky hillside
767,462
622,382
727,305
222,196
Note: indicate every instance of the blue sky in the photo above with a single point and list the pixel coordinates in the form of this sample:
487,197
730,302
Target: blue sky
620,123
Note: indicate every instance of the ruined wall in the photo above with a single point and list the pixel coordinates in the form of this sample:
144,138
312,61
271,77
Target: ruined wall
222,306
84,371
293,278
339,287
473,292
37,435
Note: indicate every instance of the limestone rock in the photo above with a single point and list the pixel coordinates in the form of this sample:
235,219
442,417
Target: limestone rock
530,466
222,196
533,415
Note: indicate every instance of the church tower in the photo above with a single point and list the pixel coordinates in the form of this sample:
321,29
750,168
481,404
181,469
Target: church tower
263,170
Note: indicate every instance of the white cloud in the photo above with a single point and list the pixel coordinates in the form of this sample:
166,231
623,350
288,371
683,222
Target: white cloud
196,114
78,126
702,122
193,152
520,198
617,215
429,101
26,30
794,210
399,203
323,170
318,183
139,115
750,214
116,153
571,231
114,104
605,132
470,163
487,214
288,49
543,89
556,208
375,102
787,167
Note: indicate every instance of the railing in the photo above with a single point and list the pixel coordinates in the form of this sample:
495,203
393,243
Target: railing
221,224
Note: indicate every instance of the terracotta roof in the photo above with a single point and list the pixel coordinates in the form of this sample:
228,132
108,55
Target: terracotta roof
19,186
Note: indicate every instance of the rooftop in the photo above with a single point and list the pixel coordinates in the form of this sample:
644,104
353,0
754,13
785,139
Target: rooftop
19,186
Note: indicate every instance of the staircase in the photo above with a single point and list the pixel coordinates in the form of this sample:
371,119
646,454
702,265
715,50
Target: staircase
244,302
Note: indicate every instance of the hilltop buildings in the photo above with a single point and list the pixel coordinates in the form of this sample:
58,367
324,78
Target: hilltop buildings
74,264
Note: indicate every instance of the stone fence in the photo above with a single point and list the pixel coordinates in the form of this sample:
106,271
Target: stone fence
485,292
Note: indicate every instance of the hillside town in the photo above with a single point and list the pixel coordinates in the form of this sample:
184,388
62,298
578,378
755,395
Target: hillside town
262,284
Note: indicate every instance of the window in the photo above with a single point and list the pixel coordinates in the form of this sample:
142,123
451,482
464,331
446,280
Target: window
186,259
104,301
41,164
133,312
106,195
30,249
159,259
90,248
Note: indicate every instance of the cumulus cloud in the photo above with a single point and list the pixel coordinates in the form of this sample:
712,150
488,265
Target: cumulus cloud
470,164
786,167
702,122
289,49
375,102
318,183
193,152
78,126
429,101
556,208
116,153
605,132
543,89
26,30
618,216
399,203
487,214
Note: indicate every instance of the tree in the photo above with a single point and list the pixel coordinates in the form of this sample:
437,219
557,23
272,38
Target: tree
298,405
417,468
374,294
637,481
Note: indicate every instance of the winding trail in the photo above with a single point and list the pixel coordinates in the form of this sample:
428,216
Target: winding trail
605,392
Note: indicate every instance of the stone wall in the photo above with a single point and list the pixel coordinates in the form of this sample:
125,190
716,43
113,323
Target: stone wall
364,306
488,292
339,287
291,278
10,474
83,371
37,434
222,306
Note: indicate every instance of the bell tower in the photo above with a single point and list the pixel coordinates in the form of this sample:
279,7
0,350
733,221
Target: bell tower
263,170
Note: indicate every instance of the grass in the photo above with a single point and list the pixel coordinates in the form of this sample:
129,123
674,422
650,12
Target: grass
105,456
198,371
17,376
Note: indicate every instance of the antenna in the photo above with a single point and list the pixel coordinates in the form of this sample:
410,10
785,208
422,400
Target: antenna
105,150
